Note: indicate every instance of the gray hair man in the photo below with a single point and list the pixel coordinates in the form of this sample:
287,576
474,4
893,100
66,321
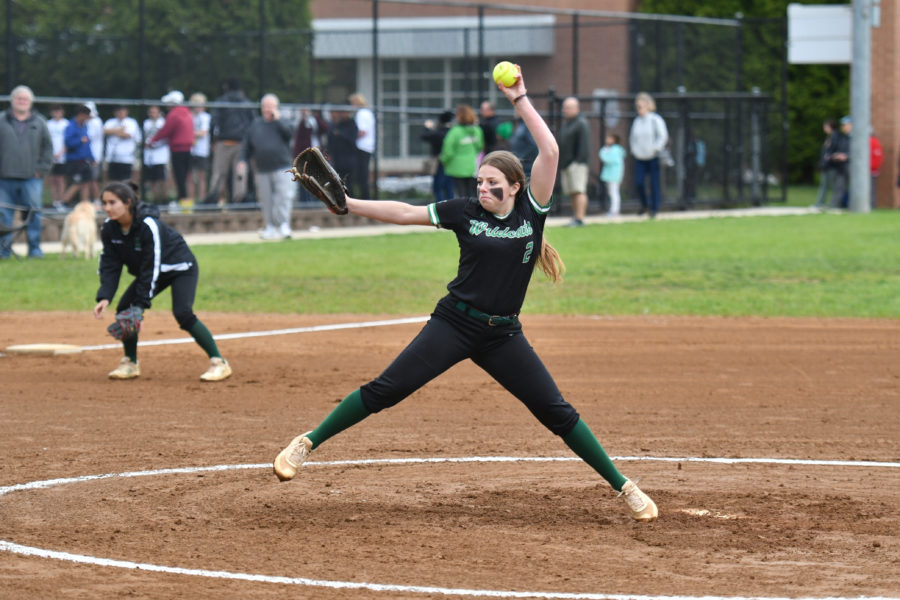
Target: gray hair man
268,146
27,151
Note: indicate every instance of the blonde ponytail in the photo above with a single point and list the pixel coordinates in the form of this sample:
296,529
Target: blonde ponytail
550,262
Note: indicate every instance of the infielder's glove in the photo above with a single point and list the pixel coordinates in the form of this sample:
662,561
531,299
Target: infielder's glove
128,323
315,174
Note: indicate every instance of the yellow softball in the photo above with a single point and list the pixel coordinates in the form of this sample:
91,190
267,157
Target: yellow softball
506,73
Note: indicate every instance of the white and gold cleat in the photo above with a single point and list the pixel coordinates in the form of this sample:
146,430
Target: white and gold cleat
218,370
125,370
641,506
289,460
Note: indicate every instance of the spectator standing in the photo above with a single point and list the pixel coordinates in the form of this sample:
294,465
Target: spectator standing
341,145
156,157
200,149
178,131
365,142
57,127
460,150
310,133
841,158
827,169
122,138
876,157
79,156
433,134
504,133
647,139
268,145
229,125
95,133
574,154
521,143
488,121
612,154
27,155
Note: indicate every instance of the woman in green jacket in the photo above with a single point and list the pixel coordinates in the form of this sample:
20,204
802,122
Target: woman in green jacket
459,154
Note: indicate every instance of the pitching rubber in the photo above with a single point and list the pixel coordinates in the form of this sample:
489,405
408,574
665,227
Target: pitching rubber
43,349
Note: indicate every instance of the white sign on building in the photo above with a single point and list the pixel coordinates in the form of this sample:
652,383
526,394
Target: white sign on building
820,34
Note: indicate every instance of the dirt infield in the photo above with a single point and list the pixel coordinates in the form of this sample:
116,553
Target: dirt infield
793,392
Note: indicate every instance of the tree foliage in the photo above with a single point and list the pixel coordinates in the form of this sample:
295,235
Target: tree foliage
92,49
814,92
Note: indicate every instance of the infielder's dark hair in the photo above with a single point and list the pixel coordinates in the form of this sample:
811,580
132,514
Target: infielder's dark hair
126,191
509,164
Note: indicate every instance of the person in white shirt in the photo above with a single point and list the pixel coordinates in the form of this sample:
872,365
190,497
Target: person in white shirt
156,157
122,137
365,142
200,149
95,134
57,125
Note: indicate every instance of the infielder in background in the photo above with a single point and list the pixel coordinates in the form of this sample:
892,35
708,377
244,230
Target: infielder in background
500,236
158,257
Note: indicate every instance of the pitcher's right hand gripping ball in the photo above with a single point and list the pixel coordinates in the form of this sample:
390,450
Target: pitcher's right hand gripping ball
128,323
316,175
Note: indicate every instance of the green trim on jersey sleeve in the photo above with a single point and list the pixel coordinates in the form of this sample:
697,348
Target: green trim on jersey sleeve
433,216
543,210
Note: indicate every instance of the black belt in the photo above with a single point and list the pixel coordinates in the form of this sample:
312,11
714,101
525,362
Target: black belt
492,320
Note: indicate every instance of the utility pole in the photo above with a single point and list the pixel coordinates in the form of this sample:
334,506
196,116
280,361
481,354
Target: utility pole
861,106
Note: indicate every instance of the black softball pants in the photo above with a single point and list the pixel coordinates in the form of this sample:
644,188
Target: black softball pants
451,336
184,290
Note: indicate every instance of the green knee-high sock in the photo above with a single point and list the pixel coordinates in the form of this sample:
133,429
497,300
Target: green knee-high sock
130,346
348,413
204,338
583,443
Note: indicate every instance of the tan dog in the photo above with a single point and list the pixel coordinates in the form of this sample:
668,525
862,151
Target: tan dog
80,230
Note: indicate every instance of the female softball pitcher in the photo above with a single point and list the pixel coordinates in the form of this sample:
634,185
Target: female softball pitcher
158,257
500,236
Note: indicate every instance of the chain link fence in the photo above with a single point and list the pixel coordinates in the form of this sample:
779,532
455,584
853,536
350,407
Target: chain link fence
719,83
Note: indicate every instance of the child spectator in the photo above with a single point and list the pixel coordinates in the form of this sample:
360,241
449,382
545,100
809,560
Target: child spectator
612,154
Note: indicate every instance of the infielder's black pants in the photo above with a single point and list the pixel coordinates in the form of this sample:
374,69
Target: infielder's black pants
184,290
503,352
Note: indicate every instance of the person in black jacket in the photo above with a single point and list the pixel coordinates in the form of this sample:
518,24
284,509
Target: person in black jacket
433,134
158,257
229,125
833,162
341,146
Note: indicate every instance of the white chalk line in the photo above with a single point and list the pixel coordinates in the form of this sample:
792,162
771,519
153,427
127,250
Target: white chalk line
251,334
375,587
460,459
7,546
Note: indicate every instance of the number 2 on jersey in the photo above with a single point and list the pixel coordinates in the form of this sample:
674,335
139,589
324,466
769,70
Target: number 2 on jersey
529,248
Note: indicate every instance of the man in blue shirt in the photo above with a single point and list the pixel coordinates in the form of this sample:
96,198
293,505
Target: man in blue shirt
79,158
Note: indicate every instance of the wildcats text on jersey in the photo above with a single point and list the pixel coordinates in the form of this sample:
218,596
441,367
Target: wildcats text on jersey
478,227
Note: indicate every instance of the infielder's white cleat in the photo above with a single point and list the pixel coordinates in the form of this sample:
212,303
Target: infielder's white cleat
125,370
218,370
289,460
641,506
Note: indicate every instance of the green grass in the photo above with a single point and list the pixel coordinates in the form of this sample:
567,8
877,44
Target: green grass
819,265
801,195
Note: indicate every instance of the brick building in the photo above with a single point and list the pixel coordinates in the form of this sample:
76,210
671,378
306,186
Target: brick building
426,58
886,100
430,56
